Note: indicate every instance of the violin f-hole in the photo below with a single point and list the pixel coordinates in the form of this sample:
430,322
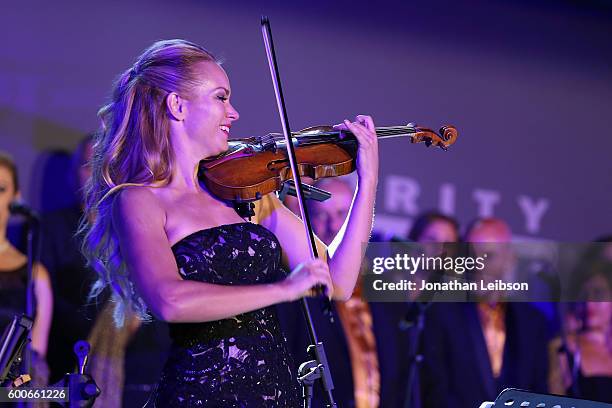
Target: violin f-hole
275,165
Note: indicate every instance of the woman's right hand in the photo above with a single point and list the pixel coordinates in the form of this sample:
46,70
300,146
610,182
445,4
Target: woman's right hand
305,276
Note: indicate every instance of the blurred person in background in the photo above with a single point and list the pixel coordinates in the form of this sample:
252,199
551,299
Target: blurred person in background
125,362
581,360
349,342
432,230
13,279
71,280
433,226
472,351
394,323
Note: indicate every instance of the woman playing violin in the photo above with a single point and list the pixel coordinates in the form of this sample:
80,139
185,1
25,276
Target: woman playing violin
164,244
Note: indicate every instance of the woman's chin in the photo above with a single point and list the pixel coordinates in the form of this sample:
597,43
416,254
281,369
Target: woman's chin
224,147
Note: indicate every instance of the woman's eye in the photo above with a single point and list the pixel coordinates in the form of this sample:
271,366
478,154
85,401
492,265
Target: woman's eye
222,98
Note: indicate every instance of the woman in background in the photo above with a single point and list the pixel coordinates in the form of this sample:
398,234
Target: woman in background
13,278
438,234
582,367
433,226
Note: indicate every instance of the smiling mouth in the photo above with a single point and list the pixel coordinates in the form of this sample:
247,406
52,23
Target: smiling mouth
224,128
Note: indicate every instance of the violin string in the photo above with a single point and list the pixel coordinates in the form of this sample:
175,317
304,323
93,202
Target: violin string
333,136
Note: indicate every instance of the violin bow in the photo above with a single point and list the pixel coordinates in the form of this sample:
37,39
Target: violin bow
278,91
276,82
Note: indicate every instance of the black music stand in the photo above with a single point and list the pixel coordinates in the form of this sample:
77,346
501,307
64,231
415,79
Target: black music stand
515,398
14,340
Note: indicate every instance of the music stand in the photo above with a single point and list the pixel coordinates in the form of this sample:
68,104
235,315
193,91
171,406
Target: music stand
515,398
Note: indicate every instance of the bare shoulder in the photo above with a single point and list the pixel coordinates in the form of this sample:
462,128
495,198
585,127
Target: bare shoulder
141,195
136,199
138,208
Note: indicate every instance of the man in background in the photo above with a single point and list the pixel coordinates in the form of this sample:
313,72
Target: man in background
472,351
350,344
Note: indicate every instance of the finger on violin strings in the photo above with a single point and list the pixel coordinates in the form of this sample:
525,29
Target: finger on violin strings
366,121
350,125
341,127
356,125
361,133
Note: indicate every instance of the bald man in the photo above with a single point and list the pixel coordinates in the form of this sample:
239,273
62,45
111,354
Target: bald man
490,238
472,351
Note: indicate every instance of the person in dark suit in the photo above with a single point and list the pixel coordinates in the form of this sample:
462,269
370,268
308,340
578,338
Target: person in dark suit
457,371
395,323
472,351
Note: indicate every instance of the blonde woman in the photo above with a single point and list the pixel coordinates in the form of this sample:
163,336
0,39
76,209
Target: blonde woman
163,243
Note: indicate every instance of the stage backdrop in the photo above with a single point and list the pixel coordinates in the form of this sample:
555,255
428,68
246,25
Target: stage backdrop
527,83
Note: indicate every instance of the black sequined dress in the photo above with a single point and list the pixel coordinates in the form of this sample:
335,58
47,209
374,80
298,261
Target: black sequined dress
242,361
12,294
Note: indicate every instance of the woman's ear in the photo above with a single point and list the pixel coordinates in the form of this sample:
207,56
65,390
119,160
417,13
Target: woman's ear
176,106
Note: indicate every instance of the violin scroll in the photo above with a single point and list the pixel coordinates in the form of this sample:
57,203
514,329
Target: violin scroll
446,137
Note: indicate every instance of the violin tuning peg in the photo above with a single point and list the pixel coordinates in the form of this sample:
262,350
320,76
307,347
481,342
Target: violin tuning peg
442,146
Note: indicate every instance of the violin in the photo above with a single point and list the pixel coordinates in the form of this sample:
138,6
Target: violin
255,166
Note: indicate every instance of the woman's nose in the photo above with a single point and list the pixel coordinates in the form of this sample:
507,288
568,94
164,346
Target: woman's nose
232,113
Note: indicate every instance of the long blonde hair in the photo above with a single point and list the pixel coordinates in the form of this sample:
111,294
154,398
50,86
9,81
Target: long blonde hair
133,147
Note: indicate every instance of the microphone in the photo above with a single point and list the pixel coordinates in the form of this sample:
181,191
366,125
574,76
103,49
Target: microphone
18,208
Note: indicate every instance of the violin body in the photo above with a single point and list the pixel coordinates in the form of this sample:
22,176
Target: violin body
264,172
254,167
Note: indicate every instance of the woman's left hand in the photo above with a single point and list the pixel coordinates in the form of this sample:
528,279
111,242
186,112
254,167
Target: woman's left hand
367,155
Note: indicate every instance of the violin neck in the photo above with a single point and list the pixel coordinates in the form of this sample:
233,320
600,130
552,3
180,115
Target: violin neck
335,135
395,131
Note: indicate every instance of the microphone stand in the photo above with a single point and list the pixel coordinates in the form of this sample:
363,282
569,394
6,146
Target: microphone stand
317,368
32,252
415,356
422,303
32,225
